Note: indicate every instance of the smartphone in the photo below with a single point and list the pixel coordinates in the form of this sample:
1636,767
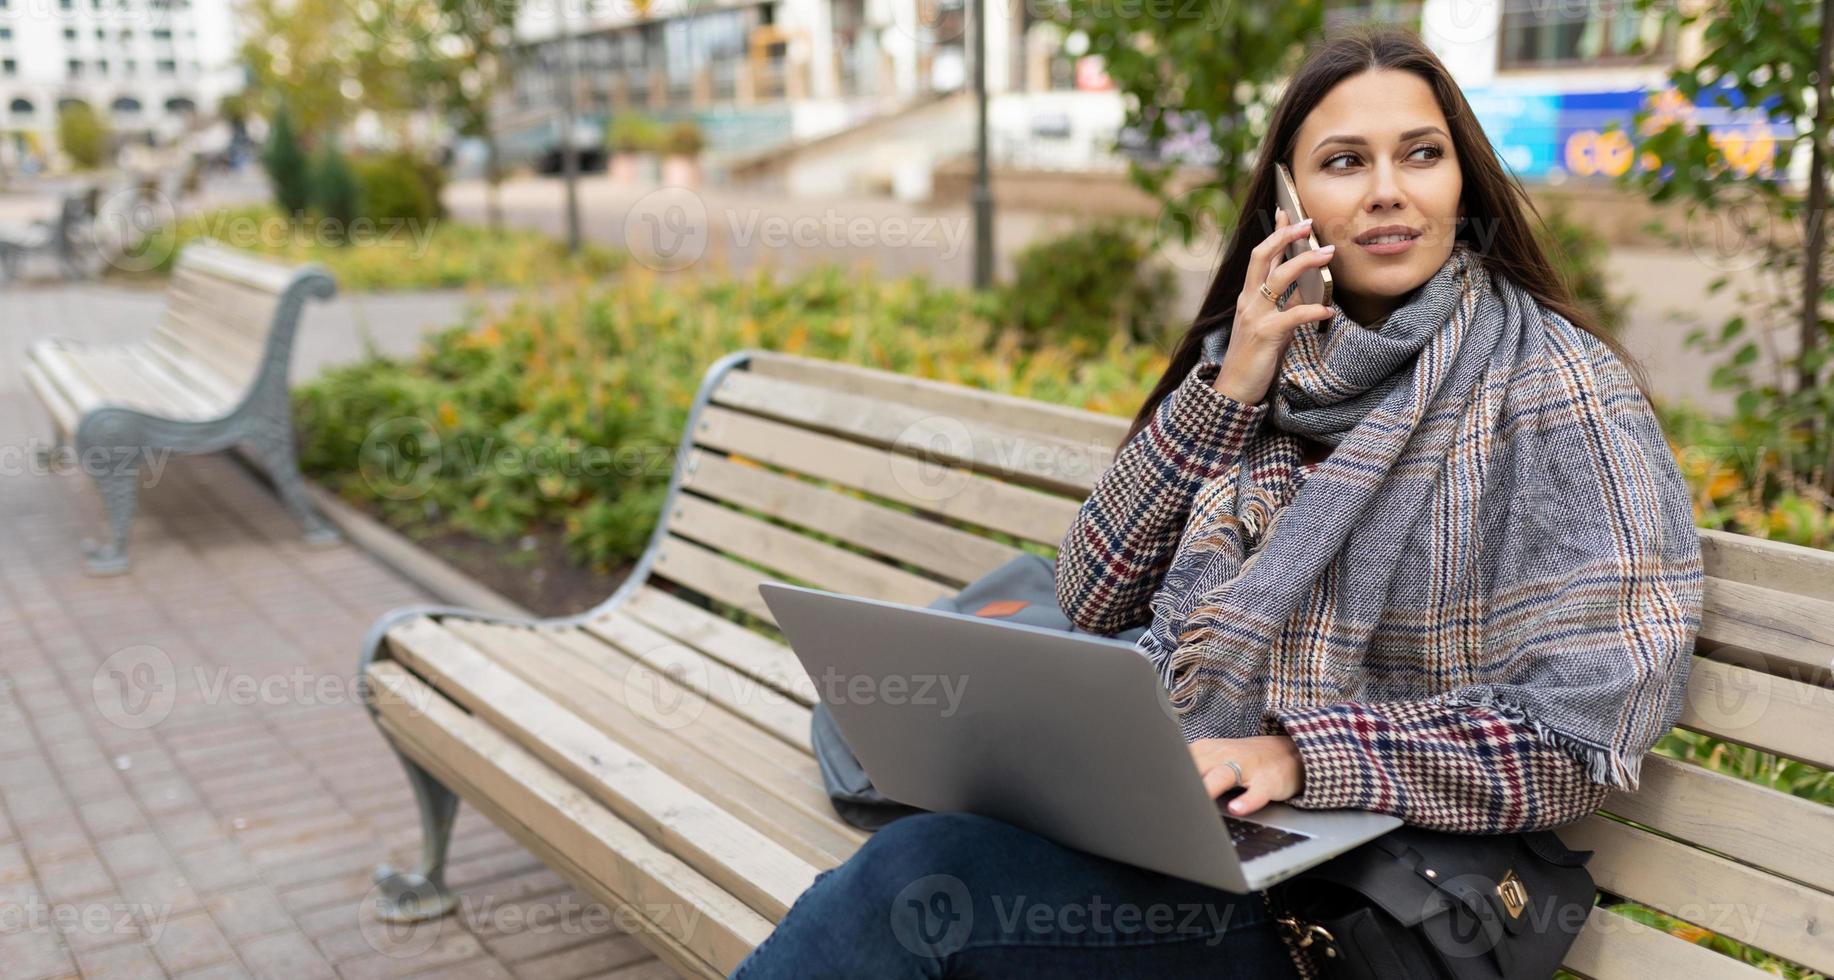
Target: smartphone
1314,284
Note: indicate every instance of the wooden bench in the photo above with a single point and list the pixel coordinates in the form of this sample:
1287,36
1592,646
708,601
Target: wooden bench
211,375
656,753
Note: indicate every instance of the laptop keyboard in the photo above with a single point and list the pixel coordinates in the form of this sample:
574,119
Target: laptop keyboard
1253,840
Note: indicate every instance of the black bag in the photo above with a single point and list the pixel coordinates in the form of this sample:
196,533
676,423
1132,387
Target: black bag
1417,903
1023,590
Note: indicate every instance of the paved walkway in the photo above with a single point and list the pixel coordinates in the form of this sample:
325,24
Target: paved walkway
210,801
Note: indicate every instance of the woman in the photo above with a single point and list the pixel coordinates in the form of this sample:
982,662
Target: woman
1477,616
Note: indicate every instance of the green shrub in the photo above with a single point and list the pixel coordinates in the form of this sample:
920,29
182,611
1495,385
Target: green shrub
334,188
684,139
563,412
435,255
82,135
285,162
396,189
634,133
1087,286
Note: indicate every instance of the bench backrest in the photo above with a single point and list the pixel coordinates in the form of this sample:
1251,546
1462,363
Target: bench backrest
901,488
230,317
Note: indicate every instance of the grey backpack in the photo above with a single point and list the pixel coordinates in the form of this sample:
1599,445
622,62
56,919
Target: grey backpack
1023,590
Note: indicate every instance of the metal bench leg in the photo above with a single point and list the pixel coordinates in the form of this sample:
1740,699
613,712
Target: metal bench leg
272,445
414,896
120,487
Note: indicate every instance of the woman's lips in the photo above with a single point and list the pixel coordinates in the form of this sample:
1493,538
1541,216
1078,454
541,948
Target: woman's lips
1390,248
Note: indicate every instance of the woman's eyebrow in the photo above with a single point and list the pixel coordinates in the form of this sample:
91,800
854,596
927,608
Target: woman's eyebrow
1360,141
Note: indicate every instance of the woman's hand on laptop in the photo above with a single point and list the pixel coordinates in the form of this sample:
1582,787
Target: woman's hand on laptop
1272,769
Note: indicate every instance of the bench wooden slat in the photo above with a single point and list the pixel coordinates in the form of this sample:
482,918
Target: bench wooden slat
1767,564
191,335
680,741
760,703
1748,706
1782,834
72,385
203,399
1025,458
951,492
63,413
991,407
708,572
569,830
194,372
724,640
236,265
826,565
1613,947
750,865
1708,890
1782,624
794,762
787,771
944,551
118,371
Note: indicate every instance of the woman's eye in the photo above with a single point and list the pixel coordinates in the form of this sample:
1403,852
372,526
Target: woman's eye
1436,154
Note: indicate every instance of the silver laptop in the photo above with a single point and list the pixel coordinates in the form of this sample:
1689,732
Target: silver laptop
1068,735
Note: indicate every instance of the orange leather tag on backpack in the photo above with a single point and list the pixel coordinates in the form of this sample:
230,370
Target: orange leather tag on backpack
1002,607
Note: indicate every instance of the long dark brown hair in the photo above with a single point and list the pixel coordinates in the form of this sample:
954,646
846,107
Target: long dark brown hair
1497,209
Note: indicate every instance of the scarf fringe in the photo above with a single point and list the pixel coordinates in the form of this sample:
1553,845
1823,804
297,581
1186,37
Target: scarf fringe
1602,765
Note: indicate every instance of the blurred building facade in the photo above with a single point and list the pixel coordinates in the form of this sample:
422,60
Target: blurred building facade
795,76
148,67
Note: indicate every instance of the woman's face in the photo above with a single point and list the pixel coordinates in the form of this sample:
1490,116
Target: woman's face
1377,152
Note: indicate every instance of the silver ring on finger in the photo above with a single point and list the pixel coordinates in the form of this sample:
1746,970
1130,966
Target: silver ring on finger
1240,780
1271,298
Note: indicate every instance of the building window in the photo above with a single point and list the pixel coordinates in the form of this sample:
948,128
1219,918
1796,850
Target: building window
70,34
73,68
130,67
1542,35
9,67
167,66
6,34
102,67
162,34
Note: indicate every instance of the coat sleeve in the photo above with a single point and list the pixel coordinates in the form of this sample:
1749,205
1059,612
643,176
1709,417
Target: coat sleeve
1121,542
1463,769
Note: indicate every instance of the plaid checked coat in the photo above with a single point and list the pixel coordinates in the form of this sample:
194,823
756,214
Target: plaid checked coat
1463,769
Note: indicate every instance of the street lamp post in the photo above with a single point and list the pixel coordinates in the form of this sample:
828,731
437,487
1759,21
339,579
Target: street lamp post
982,195
569,154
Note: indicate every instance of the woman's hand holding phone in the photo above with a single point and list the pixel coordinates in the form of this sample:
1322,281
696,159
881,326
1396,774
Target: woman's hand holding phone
1261,331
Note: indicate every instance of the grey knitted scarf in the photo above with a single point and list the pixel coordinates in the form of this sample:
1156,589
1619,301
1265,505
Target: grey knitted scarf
1501,523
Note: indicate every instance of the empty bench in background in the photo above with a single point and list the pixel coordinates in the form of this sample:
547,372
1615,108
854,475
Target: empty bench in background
212,375
68,238
656,753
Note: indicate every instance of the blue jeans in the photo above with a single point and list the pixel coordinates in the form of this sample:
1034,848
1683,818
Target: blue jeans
959,895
